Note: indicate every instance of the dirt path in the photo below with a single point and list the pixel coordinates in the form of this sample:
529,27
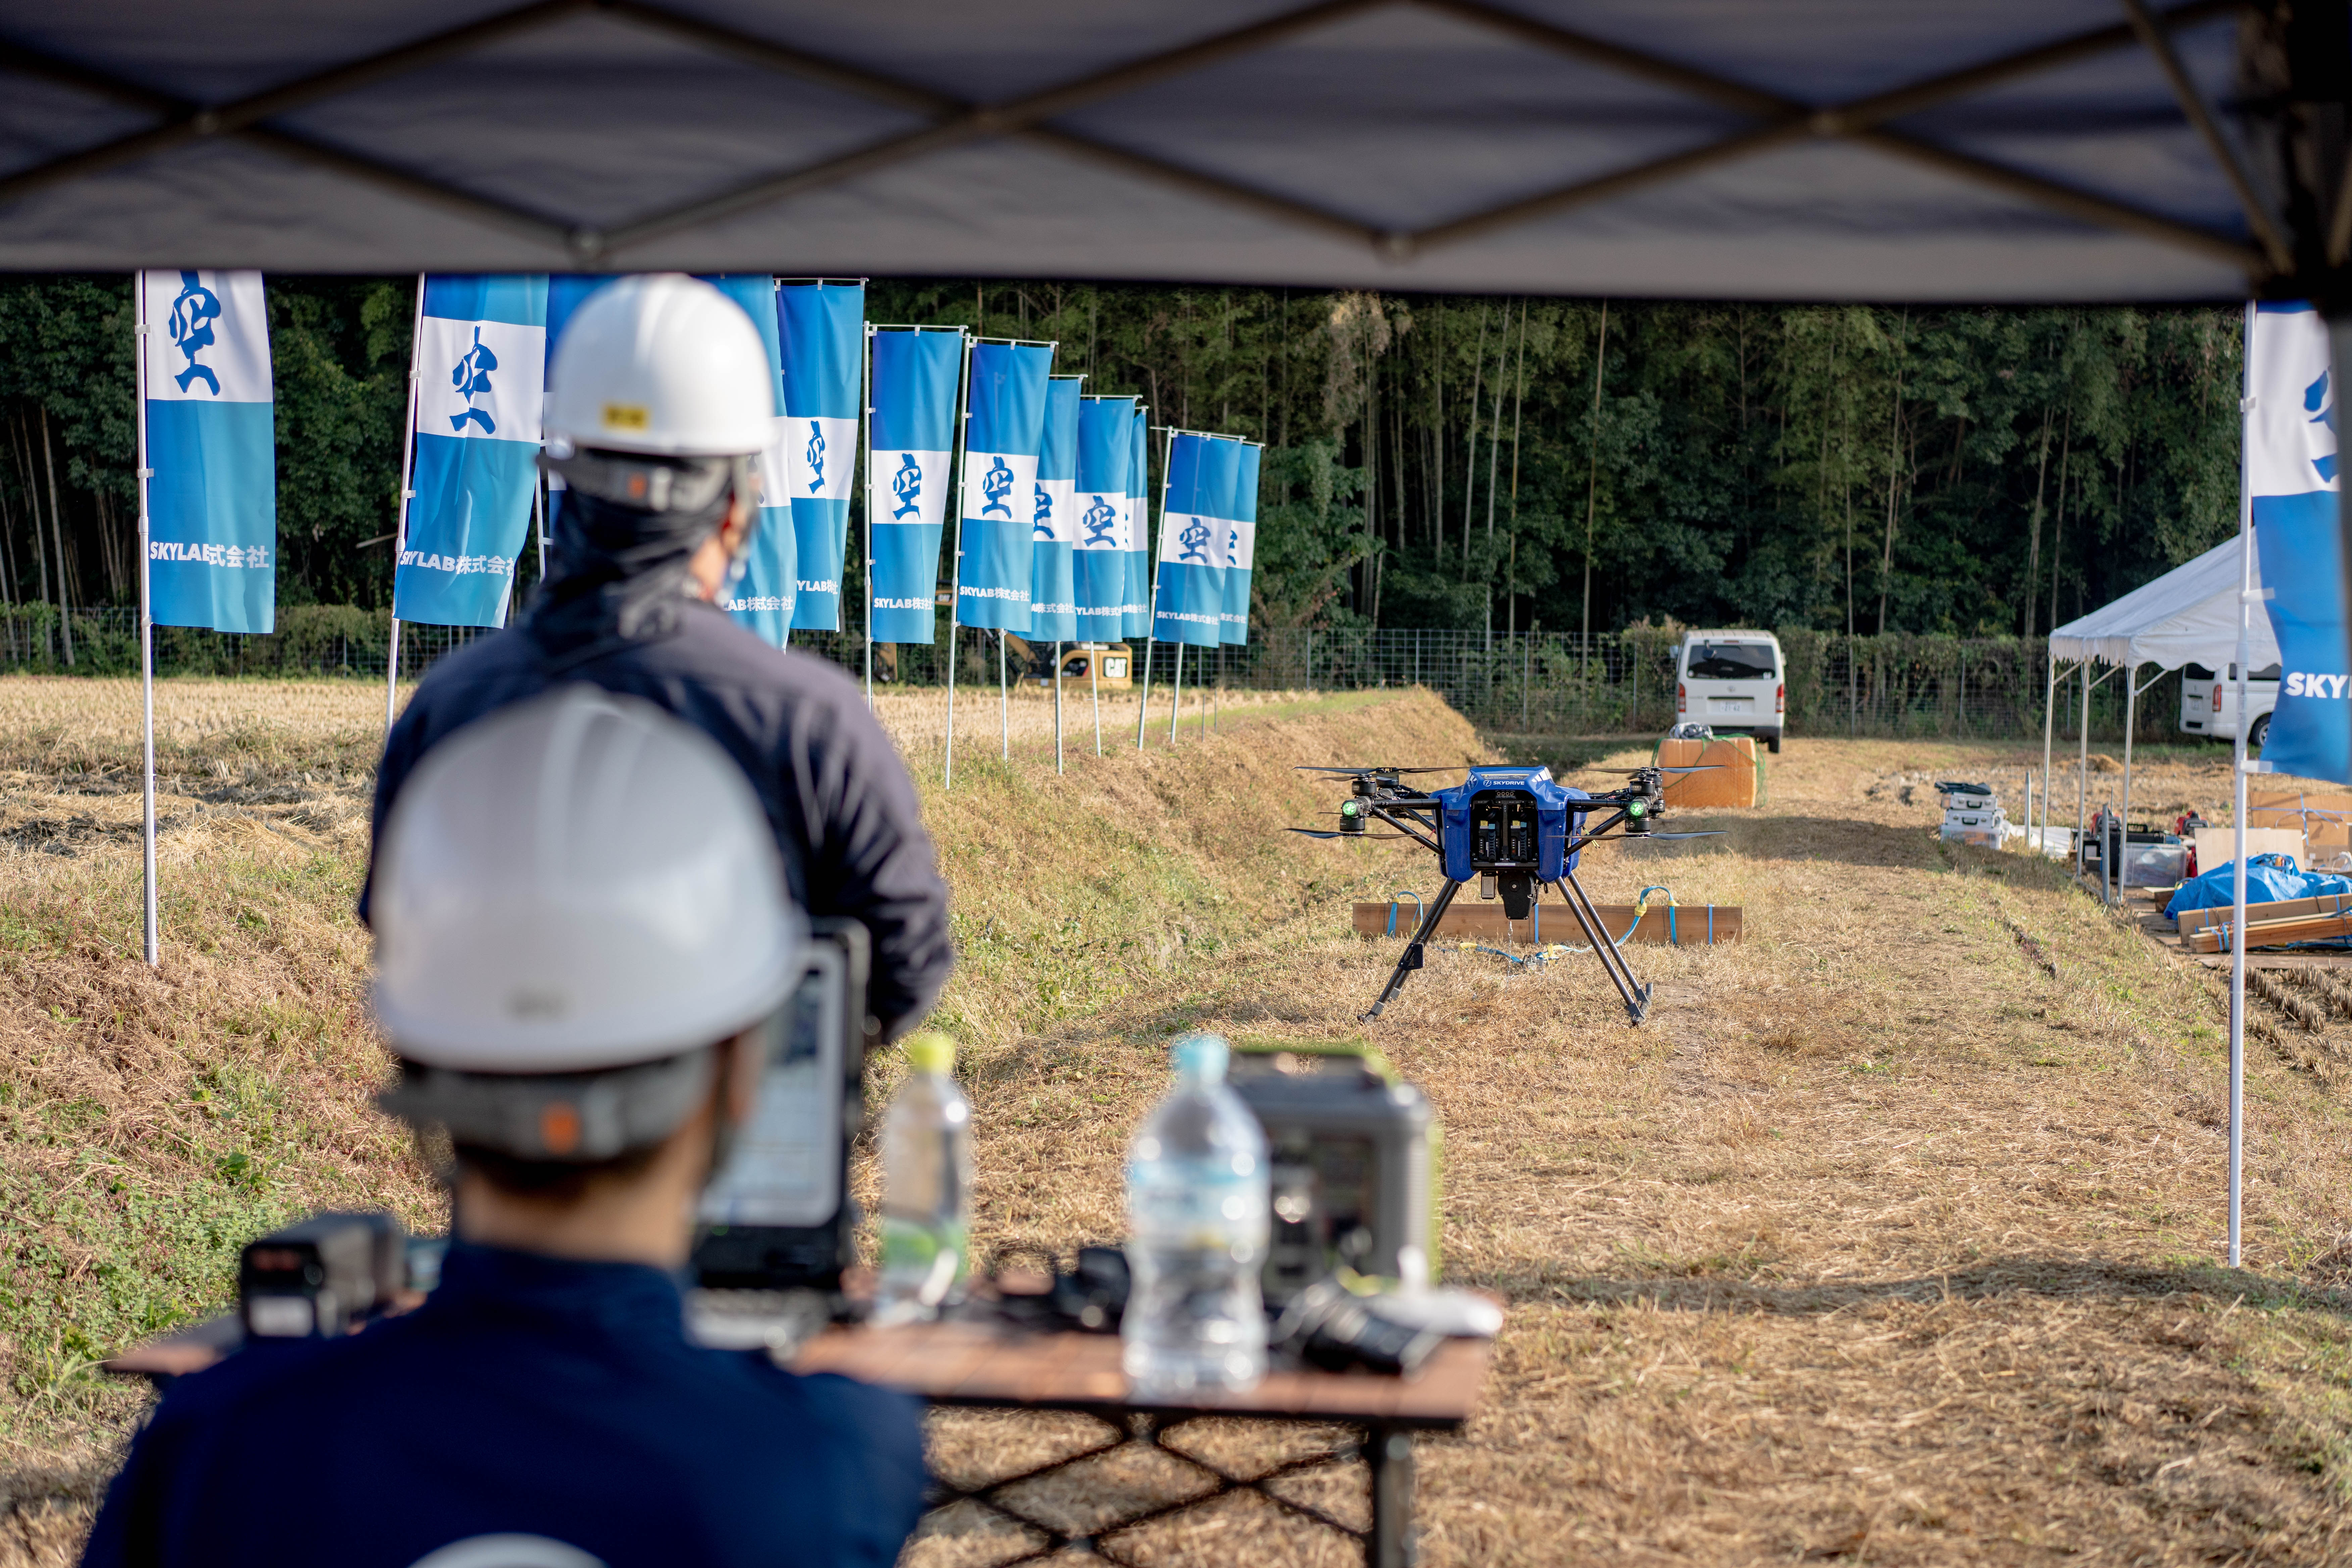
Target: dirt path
1890,1239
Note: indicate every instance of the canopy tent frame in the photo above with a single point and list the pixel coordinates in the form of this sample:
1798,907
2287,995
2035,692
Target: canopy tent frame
953,123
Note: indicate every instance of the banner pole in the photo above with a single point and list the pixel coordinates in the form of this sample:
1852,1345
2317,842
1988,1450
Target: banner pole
400,534
1175,691
1094,680
2238,803
539,524
1003,695
955,568
865,402
1152,610
1057,706
149,927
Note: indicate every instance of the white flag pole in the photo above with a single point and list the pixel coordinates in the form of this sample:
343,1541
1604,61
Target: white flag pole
1004,696
1175,689
538,520
865,402
1094,680
2238,804
955,571
1057,705
1152,610
150,926
407,477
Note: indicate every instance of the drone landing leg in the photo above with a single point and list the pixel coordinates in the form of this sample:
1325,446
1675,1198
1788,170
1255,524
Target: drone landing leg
1635,994
1411,959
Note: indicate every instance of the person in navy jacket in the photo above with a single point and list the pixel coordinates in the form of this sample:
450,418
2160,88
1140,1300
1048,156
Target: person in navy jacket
584,951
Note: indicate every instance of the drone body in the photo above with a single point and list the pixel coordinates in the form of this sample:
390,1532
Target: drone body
1517,830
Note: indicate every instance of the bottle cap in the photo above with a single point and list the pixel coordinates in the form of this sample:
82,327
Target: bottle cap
929,1051
1202,1057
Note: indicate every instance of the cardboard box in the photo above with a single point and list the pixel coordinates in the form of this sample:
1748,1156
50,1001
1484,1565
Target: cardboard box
1732,783
2219,846
2324,819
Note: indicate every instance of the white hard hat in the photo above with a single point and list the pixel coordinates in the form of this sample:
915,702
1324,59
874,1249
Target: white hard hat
578,883
661,363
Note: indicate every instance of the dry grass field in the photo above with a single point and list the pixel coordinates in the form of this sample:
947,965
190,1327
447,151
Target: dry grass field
1890,1239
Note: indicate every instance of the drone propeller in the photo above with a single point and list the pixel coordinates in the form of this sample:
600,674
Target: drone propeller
1367,773
1700,768
1330,833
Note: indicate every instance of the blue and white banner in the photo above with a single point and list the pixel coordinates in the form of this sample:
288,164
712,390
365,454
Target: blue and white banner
566,292
824,329
1135,614
481,361
1241,546
2292,481
761,598
1104,511
1191,601
1004,427
913,392
212,503
1053,534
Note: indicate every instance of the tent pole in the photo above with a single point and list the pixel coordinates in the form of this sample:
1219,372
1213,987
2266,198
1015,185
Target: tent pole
2049,712
151,928
866,401
2131,713
2238,799
2083,773
407,478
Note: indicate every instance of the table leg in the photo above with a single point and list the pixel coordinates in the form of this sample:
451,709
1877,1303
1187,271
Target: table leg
1389,1456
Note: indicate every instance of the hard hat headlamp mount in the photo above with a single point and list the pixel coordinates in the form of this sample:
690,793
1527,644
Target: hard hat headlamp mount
651,482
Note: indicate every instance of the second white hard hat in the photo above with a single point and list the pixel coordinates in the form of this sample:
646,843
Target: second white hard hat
577,883
664,364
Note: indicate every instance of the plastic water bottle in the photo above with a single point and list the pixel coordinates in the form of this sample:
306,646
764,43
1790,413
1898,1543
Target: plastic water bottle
1196,1214
926,1185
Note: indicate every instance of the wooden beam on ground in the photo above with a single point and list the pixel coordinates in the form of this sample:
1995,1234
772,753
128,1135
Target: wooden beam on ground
2194,921
2274,933
1683,925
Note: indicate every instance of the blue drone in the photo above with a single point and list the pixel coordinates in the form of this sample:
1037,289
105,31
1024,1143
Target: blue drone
1516,831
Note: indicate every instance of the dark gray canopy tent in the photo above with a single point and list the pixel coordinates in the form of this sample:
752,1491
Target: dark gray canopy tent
1836,149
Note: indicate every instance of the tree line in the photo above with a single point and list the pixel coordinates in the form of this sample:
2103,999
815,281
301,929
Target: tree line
1431,460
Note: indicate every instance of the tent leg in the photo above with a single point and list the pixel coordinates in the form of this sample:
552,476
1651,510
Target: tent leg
2131,713
2049,713
2083,773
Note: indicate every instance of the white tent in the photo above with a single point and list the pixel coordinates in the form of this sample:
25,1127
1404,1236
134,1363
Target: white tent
2188,616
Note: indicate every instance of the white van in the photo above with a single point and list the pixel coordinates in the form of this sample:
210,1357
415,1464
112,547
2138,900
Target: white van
2209,702
1732,681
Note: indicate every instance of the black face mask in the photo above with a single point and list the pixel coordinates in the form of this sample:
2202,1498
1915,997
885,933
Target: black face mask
618,573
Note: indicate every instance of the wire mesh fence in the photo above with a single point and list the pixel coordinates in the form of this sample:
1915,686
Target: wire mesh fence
1550,682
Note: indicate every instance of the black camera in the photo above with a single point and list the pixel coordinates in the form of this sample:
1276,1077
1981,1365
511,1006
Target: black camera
321,1276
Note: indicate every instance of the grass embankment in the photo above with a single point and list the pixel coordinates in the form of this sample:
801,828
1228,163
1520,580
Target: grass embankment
1889,1238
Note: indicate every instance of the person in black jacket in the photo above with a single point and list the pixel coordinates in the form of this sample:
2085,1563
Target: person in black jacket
656,449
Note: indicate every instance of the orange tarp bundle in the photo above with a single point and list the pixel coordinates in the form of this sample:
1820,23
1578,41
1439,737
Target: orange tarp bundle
1731,783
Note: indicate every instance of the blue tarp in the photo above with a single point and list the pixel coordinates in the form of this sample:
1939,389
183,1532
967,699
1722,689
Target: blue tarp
2269,879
